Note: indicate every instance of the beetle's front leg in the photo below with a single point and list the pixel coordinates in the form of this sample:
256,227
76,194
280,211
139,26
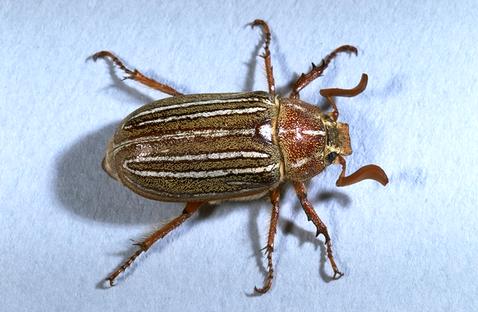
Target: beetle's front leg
275,196
188,211
317,71
321,227
135,74
267,53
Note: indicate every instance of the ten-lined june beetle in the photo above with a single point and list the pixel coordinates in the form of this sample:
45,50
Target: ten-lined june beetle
204,148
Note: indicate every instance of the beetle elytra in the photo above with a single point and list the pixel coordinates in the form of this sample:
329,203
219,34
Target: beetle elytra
204,148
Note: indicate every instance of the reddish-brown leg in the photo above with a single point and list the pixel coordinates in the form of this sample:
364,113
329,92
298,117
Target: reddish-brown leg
317,71
321,227
329,93
267,53
188,211
275,195
372,172
135,74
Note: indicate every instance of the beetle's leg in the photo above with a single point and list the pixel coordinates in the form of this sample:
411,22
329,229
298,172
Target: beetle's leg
321,227
372,172
188,211
136,75
275,195
317,71
267,53
329,93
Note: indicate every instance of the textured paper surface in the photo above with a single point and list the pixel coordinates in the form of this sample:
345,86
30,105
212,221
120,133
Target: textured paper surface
64,224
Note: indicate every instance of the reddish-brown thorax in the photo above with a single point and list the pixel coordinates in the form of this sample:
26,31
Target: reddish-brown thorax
302,137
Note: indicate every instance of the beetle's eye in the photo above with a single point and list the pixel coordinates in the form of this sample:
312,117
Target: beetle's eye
331,157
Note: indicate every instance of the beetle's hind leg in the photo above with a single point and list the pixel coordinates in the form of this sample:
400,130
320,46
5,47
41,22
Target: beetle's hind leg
269,249
188,211
317,71
267,53
135,74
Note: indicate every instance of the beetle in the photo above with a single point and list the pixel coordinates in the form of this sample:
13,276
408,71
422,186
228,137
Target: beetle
207,148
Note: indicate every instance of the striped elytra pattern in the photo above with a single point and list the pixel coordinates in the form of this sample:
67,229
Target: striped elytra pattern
206,146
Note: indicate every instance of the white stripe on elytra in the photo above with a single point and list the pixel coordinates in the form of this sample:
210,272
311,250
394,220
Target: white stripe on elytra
265,131
176,195
201,174
224,155
220,112
205,102
210,133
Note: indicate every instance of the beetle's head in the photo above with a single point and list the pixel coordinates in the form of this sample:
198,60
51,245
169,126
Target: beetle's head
338,141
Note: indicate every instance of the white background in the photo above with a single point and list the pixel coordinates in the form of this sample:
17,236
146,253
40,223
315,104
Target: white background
64,224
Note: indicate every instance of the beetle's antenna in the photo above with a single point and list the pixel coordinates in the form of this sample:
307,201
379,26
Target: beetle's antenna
372,172
329,93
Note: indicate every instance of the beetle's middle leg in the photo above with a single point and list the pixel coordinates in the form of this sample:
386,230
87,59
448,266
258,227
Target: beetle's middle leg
317,71
267,53
136,74
321,227
189,210
275,196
